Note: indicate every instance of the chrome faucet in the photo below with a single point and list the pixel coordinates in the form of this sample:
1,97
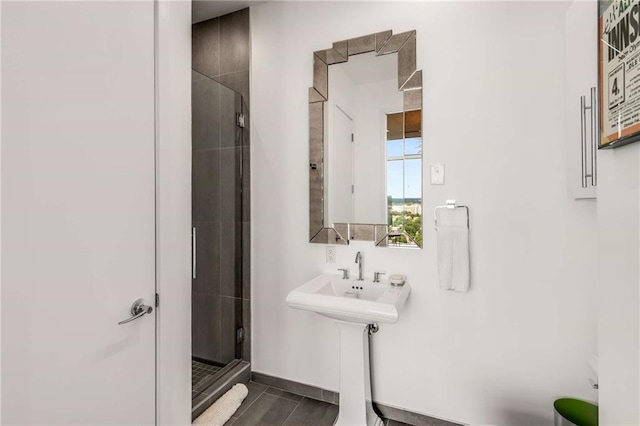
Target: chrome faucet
360,262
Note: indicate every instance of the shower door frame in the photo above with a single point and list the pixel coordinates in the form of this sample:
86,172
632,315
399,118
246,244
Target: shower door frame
227,342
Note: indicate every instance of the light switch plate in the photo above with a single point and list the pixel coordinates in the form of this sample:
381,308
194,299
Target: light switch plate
437,174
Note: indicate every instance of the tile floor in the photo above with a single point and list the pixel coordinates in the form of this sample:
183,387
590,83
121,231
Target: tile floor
268,406
201,371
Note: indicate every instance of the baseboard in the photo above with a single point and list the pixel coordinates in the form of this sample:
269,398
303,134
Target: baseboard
313,392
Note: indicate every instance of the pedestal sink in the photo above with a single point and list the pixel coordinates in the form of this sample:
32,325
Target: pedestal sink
356,307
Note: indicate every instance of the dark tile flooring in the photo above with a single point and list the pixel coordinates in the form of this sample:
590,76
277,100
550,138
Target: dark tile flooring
268,406
201,371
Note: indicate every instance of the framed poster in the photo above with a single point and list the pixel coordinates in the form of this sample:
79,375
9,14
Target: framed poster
619,72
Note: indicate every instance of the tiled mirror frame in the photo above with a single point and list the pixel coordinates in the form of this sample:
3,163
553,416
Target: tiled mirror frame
409,81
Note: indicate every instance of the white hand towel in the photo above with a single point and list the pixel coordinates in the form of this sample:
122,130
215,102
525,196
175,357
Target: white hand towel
453,249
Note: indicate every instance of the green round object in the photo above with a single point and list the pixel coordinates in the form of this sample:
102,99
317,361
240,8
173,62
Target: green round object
580,413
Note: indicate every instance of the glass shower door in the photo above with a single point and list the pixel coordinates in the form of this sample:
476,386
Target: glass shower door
217,180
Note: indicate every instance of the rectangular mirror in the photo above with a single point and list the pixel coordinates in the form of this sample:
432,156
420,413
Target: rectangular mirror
366,142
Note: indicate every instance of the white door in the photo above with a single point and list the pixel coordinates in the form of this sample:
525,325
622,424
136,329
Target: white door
78,213
341,169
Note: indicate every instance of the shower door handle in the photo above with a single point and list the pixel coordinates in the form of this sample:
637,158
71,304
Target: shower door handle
138,309
194,259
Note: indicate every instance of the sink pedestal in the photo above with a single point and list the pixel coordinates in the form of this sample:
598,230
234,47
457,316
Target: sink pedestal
355,377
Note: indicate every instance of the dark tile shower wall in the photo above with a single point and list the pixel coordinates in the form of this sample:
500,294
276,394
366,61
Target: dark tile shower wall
221,199
221,50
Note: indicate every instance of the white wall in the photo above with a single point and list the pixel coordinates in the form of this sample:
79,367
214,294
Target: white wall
173,211
0,214
619,278
493,114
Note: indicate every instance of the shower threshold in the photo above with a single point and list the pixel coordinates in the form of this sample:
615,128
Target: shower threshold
210,389
202,372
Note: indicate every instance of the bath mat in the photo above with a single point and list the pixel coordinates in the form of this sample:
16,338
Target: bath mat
222,410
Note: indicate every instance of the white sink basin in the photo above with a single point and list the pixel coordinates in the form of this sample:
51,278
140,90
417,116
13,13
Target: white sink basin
363,302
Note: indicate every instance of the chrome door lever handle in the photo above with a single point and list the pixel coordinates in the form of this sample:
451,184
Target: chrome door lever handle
138,309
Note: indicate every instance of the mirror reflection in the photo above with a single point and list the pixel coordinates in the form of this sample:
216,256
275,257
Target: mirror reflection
404,177
373,150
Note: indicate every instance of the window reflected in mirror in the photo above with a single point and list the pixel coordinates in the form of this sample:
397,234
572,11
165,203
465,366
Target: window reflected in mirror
404,178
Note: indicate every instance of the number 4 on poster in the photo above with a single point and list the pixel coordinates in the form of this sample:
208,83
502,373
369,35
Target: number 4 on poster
616,87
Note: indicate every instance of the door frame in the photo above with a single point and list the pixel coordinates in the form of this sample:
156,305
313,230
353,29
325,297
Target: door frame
173,211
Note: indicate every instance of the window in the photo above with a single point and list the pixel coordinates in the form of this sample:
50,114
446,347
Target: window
404,178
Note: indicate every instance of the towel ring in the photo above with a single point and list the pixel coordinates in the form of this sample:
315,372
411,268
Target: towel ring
451,204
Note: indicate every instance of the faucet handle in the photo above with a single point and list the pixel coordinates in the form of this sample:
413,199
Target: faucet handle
376,276
345,273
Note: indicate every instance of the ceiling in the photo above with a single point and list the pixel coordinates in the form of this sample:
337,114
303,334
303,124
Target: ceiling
201,10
